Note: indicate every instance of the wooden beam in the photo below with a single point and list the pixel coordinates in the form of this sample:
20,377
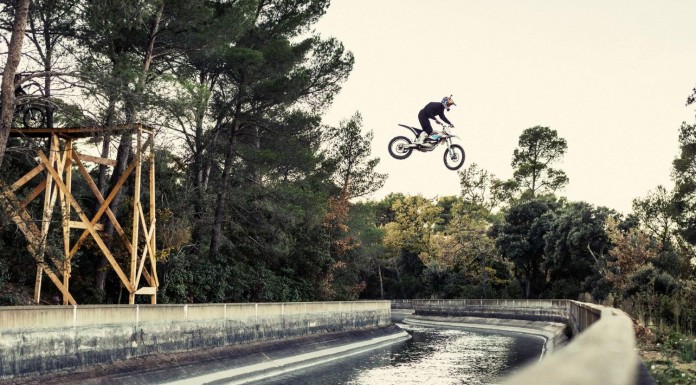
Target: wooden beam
25,223
153,212
90,226
27,177
146,290
37,283
65,211
136,205
82,226
107,201
97,160
48,196
59,285
34,193
104,206
148,246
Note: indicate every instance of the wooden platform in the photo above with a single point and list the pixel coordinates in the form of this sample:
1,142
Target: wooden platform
76,132
54,181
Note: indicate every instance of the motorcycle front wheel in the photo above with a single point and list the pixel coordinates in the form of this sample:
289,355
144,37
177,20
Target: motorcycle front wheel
454,157
398,147
33,117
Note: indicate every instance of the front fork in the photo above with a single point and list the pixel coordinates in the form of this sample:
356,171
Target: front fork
449,145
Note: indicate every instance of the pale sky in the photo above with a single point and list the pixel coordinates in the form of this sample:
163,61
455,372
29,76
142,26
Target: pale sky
611,77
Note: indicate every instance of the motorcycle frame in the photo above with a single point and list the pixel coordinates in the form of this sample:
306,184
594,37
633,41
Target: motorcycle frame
446,138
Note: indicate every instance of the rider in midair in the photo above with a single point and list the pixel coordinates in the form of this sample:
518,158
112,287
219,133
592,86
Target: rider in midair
433,110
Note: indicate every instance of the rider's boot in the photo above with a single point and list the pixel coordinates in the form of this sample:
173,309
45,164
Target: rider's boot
421,137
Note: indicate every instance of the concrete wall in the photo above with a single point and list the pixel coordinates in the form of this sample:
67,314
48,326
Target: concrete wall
531,310
40,339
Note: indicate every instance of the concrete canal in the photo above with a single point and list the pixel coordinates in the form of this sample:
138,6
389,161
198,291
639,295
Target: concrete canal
435,342
433,356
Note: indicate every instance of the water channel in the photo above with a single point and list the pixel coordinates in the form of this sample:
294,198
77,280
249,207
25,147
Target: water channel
432,356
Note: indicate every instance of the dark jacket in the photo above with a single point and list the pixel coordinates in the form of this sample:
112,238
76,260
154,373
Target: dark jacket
433,109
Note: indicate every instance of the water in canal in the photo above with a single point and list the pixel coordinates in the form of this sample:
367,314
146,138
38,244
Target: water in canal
432,356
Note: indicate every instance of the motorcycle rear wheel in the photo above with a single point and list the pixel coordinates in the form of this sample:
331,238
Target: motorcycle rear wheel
398,147
454,157
33,117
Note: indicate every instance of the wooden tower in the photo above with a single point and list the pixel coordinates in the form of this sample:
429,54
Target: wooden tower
55,171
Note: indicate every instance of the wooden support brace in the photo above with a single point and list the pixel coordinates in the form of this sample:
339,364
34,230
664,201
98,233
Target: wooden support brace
25,223
34,193
27,177
94,159
83,226
106,203
59,285
90,226
103,207
95,190
147,248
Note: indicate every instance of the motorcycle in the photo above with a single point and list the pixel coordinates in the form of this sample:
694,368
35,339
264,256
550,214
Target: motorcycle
401,147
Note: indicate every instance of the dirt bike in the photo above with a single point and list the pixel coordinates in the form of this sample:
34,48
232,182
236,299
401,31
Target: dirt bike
401,147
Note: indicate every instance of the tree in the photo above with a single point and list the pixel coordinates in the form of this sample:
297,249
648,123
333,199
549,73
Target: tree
468,248
477,187
350,150
684,175
371,252
52,24
538,149
413,228
14,51
631,250
574,240
520,238
656,212
271,70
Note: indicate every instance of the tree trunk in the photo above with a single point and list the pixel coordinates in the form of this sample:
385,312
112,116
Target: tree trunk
484,282
527,289
381,284
14,54
106,146
216,235
200,173
401,283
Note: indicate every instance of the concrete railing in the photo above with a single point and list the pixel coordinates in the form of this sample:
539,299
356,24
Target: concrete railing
602,350
40,339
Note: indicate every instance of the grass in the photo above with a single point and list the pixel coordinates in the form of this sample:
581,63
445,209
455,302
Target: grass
670,358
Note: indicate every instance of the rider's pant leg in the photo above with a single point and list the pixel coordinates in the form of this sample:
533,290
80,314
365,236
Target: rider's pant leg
425,123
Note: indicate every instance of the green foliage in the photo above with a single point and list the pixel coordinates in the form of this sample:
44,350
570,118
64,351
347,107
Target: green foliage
538,148
350,150
520,238
479,188
668,374
684,174
575,239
